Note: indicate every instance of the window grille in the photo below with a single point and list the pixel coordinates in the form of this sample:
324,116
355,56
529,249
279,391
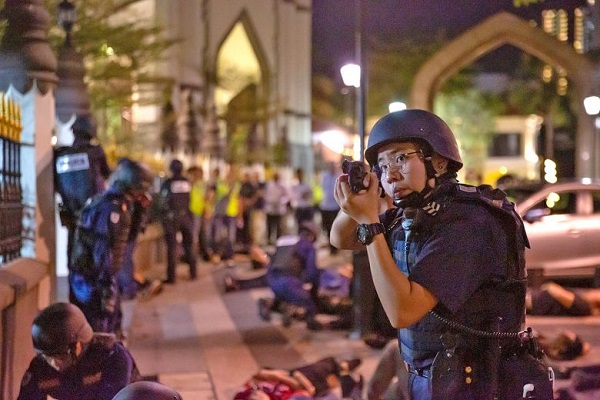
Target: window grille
11,206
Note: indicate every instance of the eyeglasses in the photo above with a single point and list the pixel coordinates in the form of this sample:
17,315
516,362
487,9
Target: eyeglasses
399,161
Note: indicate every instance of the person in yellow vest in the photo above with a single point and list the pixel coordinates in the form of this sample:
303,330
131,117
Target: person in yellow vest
198,207
227,216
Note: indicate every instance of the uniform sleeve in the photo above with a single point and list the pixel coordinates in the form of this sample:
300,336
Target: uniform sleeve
29,388
117,372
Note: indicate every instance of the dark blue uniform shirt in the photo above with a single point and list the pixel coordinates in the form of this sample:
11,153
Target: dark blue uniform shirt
104,368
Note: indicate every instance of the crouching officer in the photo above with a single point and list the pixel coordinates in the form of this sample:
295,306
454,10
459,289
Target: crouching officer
101,243
293,265
72,362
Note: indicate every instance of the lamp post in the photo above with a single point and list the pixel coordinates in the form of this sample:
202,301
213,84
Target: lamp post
71,94
355,75
592,108
351,77
66,17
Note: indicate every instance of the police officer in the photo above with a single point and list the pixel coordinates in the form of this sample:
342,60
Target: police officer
445,250
80,173
72,362
146,390
177,217
101,244
293,265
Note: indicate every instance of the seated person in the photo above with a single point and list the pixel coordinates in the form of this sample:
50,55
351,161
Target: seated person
293,275
145,390
73,362
314,380
553,299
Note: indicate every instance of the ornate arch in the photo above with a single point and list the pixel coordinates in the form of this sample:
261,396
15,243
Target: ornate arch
506,28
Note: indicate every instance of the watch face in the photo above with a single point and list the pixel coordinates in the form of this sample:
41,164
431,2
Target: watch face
364,234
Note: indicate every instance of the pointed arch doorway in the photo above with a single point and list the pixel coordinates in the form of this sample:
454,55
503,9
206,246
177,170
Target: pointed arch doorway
506,28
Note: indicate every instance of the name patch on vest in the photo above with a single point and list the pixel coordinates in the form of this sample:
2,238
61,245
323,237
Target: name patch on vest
48,384
180,187
92,379
72,163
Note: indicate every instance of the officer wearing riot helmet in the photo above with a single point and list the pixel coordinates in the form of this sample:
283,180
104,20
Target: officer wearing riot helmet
177,217
72,362
446,249
147,390
80,173
101,242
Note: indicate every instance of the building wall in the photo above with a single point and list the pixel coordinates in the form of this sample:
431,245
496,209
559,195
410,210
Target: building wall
281,34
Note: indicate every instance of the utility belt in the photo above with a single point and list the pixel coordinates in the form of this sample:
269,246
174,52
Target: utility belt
424,372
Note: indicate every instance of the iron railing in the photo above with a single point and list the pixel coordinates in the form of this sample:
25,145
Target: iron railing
11,205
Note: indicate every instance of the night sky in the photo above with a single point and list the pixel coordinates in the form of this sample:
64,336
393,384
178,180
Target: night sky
334,21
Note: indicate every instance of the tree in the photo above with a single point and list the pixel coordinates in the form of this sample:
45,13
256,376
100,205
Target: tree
471,121
119,49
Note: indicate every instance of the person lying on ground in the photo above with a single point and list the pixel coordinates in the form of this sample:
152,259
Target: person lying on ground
553,299
322,378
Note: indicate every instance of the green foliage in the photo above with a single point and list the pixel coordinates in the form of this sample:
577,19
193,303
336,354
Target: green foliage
524,3
471,121
118,48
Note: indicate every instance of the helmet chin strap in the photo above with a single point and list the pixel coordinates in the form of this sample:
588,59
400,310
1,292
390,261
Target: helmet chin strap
417,199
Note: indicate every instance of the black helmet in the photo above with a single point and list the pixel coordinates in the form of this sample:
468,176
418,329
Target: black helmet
176,167
147,390
130,175
414,124
59,326
84,127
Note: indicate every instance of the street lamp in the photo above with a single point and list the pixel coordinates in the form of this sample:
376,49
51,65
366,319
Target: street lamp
71,96
351,77
592,107
396,106
66,17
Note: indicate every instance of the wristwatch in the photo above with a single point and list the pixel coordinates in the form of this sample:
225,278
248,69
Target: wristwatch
366,232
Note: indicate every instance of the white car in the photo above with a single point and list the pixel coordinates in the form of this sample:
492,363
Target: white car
562,222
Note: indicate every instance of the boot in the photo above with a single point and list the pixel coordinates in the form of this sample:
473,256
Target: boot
264,309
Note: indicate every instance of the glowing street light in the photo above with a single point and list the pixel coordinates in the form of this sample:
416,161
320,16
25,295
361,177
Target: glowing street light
351,75
396,106
592,107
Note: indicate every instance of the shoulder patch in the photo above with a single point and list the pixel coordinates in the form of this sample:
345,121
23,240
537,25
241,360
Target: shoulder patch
467,189
48,384
91,379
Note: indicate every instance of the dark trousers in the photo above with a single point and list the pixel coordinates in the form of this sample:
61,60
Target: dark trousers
273,227
171,227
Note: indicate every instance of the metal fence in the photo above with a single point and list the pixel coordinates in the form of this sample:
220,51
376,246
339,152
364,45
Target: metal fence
11,206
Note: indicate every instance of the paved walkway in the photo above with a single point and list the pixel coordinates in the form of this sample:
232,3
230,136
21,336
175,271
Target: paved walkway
207,343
